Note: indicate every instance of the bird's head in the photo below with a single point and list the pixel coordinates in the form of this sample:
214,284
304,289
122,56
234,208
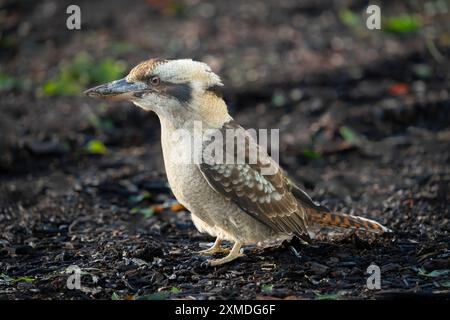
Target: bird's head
177,90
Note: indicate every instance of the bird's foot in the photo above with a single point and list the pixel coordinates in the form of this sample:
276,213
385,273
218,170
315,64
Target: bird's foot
234,254
228,258
213,250
216,248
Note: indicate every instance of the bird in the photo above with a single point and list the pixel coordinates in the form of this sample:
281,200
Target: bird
246,203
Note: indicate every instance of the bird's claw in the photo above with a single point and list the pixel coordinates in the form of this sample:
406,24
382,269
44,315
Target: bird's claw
228,258
213,251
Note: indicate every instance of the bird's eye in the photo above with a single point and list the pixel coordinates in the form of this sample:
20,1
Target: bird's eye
154,81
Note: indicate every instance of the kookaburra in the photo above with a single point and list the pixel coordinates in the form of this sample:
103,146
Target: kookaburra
237,202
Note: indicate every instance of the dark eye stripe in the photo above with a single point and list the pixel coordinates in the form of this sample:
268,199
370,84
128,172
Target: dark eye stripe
217,90
180,91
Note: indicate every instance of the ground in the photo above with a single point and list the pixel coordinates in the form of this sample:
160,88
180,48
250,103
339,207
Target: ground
364,119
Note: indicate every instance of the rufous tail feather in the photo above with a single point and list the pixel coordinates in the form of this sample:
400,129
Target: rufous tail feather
346,221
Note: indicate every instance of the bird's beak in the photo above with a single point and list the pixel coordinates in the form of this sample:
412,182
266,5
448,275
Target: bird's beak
117,90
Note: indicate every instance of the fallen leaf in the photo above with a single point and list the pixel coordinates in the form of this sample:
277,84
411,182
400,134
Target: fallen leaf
399,89
175,290
96,147
328,296
146,212
434,273
266,288
402,24
115,296
312,154
350,135
23,279
177,207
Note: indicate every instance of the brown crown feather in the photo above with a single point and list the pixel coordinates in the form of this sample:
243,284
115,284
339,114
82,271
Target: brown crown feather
144,69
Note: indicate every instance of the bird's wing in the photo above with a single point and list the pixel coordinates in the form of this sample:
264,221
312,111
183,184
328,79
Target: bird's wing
269,198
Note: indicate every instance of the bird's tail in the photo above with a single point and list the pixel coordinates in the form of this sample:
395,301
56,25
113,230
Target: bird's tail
346,221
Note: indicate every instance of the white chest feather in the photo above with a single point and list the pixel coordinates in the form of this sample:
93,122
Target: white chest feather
183,175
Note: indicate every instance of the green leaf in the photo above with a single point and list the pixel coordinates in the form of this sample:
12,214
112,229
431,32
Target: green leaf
175,290
312,154
329,296
96,147
115,296
278,98
146,212
446,284
61,87
141,197
350,135
267,288
23,279
7,82
349,18
107,70
106,124
73,77
402,24
100,123
423,71
434,273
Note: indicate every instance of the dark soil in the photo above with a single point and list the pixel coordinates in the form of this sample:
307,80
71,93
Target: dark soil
296,67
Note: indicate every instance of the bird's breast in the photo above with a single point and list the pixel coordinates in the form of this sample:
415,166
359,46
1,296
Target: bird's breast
184,177
214,213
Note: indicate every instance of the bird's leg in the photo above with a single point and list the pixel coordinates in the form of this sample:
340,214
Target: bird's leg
234,253
216,248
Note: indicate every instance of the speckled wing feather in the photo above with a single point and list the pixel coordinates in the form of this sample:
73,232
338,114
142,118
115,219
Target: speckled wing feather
268,198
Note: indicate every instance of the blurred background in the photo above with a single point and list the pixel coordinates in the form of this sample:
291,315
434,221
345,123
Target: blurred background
364,119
